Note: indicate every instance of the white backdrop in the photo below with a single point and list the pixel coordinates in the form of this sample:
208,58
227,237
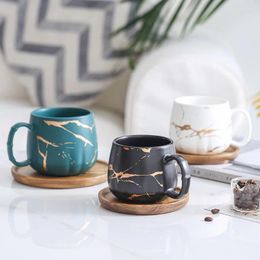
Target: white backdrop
237,24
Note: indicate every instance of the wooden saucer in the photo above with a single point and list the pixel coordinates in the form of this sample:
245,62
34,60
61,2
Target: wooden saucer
229,155
96,175
166,205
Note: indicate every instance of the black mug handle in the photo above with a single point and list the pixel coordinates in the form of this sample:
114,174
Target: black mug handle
185,176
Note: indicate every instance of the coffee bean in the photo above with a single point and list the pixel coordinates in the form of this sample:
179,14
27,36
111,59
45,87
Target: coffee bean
208,219
241,184
215,211
251,182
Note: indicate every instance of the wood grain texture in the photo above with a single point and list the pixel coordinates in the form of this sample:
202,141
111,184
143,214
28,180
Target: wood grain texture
96,175
166,205
221,158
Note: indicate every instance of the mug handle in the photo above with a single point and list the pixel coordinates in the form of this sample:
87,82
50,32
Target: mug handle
185,176
11,135
247,138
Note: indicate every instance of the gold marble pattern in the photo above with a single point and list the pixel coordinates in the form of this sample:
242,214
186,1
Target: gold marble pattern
214,149
62,124
143,149
256,103
44,155
125,176
133,196
146,150
200,133
205,132
94,157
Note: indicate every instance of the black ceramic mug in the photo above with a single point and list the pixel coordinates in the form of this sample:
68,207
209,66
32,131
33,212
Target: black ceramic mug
142,169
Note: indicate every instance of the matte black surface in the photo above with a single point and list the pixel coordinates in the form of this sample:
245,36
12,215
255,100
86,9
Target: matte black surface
142,169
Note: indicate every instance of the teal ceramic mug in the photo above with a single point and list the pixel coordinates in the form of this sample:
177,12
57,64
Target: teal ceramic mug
61,141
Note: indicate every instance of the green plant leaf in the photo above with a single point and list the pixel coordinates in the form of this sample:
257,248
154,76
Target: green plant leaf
208,10
196,4
207,16
171,22
138,18
147,26
202,13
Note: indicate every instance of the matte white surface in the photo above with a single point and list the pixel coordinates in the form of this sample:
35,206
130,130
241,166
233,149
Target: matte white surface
206,125
70,224
236,25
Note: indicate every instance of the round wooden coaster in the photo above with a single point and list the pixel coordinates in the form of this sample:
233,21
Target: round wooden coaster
229,155
96,175
166,205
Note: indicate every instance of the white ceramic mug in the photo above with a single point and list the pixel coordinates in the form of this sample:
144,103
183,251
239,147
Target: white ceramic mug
203,125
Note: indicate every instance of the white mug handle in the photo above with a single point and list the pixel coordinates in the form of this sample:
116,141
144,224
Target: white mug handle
247,138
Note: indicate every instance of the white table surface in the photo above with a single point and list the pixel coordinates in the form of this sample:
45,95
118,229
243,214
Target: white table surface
70,224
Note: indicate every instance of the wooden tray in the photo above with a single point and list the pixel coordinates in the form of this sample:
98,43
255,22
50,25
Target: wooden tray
96,175
166,205
229,155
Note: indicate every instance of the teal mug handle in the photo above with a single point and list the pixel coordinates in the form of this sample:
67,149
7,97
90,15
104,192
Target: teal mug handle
11,135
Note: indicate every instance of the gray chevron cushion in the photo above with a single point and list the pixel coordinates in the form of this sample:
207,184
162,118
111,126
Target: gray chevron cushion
61,50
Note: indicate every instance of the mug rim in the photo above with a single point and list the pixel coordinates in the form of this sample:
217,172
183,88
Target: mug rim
85,112
115,141
190,101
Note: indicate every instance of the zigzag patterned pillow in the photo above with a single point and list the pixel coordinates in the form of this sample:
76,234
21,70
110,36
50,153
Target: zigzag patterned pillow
61,50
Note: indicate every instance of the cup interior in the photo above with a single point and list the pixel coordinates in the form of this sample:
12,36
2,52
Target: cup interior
60,112
200,101
143,141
